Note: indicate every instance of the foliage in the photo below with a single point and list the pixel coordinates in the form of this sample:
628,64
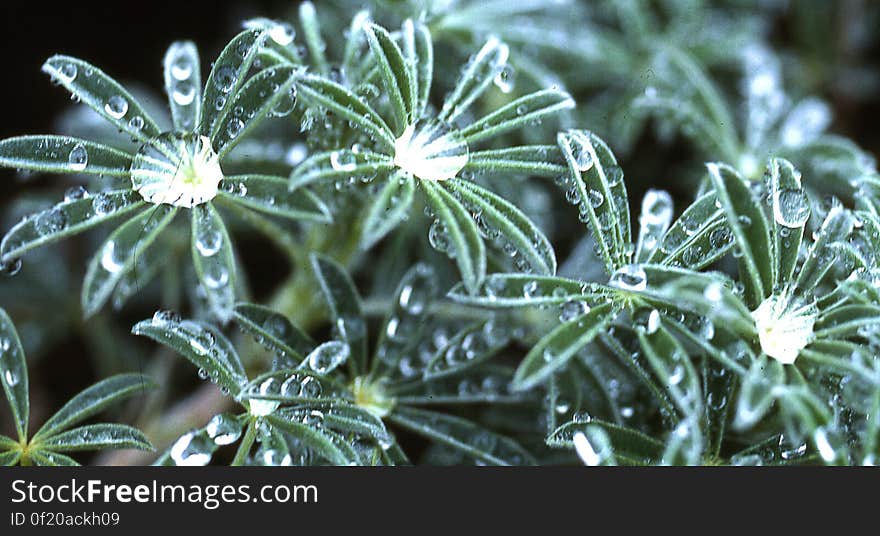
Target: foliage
420,167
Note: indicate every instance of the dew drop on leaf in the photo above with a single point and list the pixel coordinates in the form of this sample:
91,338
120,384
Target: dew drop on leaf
78,157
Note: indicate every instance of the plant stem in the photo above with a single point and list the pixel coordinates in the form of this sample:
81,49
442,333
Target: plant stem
246,443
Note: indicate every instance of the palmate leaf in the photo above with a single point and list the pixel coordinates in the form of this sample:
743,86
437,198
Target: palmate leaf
93,400
501,218
251,105
463,436
529,160
475,79
340,164
519,113
66,219
183,83
520,290
345,308
13,374
751,229
395,74
274,331
227,76
119,254
63,154
390,207
556,348
597,182
103,95
321,92
631,447
96,437
213,260
271,195
203,345
464,241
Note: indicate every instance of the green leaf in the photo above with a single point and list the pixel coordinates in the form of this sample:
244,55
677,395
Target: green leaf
556,348
757,393
102,94
14,374
292,386
251,105
791,210
347,418
272,195
119,254
528,160
67,219
837,227
343,164
213,260
462,435
630,446
97,437
847,321
274,331
42,458
749,225
521,290
313,438
467,349
479,73
9,458
308,19
203,345
673,367
93,400
395,75
699,237
501,220
600,193
464,241
345,308
418,47
183,84
323,93
63,154
388,209
227,76
523,111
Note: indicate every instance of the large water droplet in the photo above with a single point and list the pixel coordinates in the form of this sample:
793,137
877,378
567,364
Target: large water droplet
791,208
328,356
116,106
629,277
78,157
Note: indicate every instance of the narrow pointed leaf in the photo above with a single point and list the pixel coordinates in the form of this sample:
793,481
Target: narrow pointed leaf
345,308
791,209
699,237
528,160
67,219
213,259
396,76
418,47
673,368
97,437
13,374
251,105
502,219
837,226
321,92
475,79
63,154
467,349
42,458
272,195
9,458
556,348
390,207
274,331
227,76
202,345
750,228
630,446
342,164
183,84
522,290
102,94
463,436
308,19
313,438
93,400
464,241
519,113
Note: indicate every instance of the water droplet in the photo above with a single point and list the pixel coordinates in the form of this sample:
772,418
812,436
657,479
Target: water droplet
183,93
629,277
188,451
505,79
310,387
10,267
75,193
328,356
234,127
572,309
111,260
282,34
50,221
791,208
68,72
653,322
225,79
78,157
116,106
224,429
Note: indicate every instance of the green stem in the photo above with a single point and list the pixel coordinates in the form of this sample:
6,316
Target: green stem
246,443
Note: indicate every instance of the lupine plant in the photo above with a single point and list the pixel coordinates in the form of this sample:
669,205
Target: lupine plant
470,276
